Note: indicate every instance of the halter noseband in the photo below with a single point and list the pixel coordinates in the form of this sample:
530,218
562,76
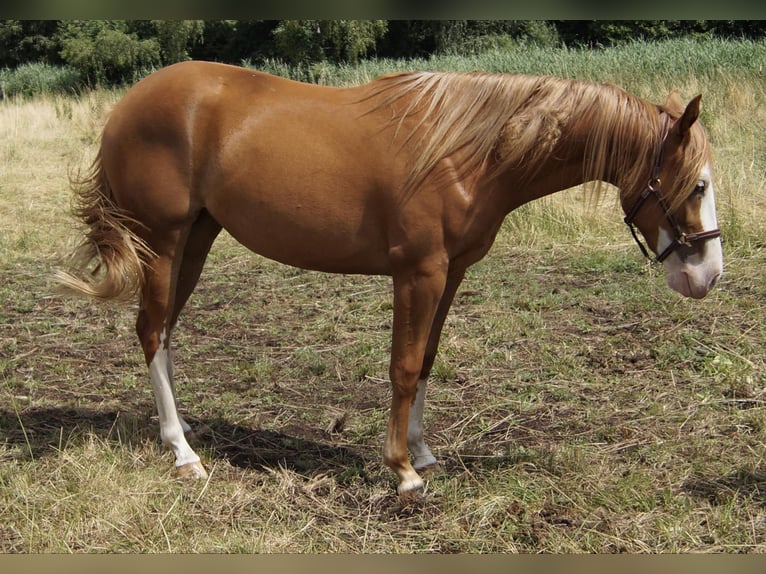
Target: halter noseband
653,187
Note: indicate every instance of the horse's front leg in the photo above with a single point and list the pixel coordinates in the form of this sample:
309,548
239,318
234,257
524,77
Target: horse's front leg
416,298
422,457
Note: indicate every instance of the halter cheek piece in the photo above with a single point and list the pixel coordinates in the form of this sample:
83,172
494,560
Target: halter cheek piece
654,188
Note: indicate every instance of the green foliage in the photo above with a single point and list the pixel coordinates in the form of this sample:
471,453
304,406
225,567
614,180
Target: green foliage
349,40
233,41
39,78
105,51
23,41
175,37
109,52
509,35
337,40
299,40
604,33
113,51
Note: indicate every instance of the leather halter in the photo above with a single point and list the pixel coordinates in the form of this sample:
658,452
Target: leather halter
653,188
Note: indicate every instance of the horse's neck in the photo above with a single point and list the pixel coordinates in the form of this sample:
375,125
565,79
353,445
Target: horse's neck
566,164
562,168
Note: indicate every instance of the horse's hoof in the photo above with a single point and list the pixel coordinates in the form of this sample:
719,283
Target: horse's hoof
192,470
428,467
411,490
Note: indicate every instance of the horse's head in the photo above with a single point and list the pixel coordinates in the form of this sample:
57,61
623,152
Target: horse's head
675,212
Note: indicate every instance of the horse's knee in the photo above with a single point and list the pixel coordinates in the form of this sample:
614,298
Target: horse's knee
405,375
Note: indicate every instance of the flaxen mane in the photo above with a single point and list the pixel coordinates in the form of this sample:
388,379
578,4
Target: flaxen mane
517,121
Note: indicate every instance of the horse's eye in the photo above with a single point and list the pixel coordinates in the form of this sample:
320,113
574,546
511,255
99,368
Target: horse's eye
700,187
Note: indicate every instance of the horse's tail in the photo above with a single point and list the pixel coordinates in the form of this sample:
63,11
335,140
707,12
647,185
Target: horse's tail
111,261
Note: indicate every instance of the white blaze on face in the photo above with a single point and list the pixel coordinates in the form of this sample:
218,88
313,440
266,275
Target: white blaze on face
695,275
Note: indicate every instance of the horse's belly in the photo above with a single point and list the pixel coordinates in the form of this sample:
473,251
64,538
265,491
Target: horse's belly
306,235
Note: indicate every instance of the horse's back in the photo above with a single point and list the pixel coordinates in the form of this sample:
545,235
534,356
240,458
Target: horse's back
174,101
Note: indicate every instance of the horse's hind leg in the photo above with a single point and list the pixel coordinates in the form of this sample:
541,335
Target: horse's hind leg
153,328
201,237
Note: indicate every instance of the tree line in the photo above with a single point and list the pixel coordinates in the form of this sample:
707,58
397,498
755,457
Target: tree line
113,51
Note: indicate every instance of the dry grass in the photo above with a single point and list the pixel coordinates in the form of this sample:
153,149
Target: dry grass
577,405
40,141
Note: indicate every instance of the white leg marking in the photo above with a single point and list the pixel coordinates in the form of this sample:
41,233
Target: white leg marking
410,486
171,429
415,442
184,424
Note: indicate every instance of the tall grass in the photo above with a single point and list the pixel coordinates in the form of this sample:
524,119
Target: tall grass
627,65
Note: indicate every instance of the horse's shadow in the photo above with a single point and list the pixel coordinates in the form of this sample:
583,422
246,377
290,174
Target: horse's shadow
45,431
34,433
245,447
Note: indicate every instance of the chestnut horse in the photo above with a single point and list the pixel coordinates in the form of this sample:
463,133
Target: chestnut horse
410,175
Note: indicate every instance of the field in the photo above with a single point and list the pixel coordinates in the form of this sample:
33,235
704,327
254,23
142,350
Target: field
577,404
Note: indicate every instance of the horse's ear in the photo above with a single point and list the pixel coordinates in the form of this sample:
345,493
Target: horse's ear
691,113
673,103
